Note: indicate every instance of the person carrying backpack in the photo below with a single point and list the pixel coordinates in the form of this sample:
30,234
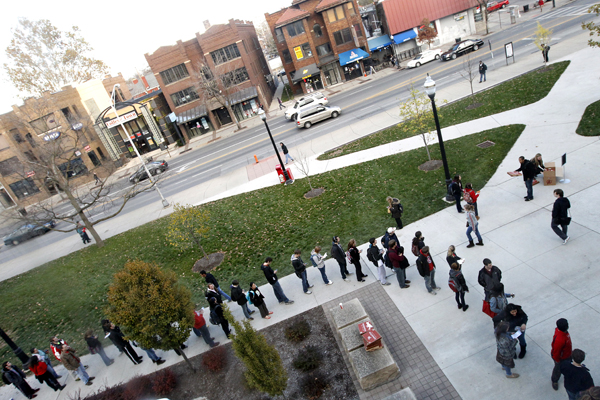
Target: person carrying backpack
390,234
418,243
396,209
238,295
458,285
375,255
217,316
318,261
399,263
426,268
482,71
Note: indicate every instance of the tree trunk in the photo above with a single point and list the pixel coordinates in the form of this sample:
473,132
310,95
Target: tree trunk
202,248
426,146
187,360
230,110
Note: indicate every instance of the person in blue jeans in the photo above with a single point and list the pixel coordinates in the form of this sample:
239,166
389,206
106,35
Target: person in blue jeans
577,376
528,170
318,261
472,226
209,278
517,320
300,269
506,349
274,281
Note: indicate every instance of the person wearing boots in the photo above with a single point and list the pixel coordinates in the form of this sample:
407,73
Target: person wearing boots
517,321
472,226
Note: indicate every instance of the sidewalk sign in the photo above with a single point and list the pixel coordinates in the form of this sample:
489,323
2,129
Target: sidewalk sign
563,162
509,52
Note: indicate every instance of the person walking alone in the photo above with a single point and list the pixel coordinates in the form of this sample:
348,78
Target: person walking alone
562,349
560,215
274,281
318,261
472,226
577,375
426,268
281,106
482,71
98,181
506,349
285,152
337,252
457,190
528,170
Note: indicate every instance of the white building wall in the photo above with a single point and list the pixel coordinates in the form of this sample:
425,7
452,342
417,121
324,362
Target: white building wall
455,26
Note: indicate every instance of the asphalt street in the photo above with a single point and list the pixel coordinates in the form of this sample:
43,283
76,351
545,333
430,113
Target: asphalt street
225,155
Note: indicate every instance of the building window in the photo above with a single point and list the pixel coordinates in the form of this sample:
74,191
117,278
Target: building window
225,54
235,77
10,166
44,124
324,49
295,28
206,73
174,74
30,140
30,156
73,168
287,58
102,156
358,30
24,188
343,36
184,96
335,14
306,50
317,30
94,158
350,8
302,51
279,35
16,136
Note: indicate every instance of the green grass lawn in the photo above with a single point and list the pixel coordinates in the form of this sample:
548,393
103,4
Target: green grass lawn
518,92
590,121
67,296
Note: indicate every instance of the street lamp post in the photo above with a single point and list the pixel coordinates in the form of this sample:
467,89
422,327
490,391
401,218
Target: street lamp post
430,90
17,350
263,116
165,203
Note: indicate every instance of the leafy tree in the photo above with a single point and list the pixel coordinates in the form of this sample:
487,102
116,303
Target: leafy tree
417,112
592,27
542,38
41,58
188,225
156,310
264,369
427,33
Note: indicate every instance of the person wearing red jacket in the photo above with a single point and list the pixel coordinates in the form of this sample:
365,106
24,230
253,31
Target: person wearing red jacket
200,328
470,196
41,372
561,349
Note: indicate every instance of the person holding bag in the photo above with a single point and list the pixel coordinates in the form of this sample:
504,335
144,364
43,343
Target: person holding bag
560,215
375,255
399,263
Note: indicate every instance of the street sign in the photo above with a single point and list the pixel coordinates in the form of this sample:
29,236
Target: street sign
51,136
30,174
509,52
87,149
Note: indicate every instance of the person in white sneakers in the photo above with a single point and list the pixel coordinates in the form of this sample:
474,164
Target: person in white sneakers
318,261
375,255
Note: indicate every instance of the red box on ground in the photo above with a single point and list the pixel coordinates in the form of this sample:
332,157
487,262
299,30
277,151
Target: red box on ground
372,340
365,327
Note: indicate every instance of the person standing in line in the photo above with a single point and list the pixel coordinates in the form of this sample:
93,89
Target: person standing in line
274,282
506,349
482,71
118,339
238,295
354,253
337,252
71,362
399,263
285,152
528,170
451,256
426,268
40,370
153,356
395,208
212,292
257,298
472,226
43,356
300,269
499,299
489,277
389,235
577,375
218,311
209,278
14,375
318,261
56,346
418,243
280,103
517,321
457,190
200,328
460,284
470,197
560,215
562,349
95,347
375,255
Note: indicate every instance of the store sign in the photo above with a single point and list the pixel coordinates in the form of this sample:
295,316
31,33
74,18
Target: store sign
87,149
51,136
130,116
460,17
30,174
77,153
298,51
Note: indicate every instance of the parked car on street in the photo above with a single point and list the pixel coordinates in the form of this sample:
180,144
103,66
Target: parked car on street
461,48
306,118
155,168
307,100
496,5
425,57
27,232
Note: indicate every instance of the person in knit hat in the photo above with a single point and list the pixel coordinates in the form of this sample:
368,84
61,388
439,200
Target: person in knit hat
561,349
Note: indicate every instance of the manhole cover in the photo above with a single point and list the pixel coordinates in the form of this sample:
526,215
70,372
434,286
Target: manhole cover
486,144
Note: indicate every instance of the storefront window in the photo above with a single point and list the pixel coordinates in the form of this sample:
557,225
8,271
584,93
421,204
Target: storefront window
246,109
199,126
332,74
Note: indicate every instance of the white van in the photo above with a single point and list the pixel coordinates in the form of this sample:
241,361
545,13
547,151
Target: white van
307,100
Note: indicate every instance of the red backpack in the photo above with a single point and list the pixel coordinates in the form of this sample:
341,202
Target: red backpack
453,283
415,250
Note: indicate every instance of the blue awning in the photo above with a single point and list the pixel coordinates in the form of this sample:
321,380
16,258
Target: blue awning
404,36
351,56
379,42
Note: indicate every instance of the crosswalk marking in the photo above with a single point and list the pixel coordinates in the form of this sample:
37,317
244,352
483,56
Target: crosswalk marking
565,12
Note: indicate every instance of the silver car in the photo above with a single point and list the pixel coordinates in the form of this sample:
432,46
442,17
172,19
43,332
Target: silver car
315,114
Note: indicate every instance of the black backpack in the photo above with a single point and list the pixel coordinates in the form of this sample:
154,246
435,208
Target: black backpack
387,261
214,317
5,379
370,255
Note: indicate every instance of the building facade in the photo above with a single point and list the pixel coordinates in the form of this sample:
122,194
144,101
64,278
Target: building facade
231,52
321,42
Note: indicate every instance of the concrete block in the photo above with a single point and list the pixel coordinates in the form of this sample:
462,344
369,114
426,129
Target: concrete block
351,336
404,394
373,368
352,312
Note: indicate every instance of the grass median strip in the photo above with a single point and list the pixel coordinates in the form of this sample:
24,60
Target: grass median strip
590,121
518,92
67,296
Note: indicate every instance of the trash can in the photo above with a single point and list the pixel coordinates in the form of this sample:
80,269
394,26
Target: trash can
526,8
280,174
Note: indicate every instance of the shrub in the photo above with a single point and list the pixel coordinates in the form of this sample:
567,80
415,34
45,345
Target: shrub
136,388
308,359
103,393
313,385
297,331
164,381
215,359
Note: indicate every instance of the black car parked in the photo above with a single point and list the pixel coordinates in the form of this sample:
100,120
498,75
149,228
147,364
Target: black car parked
27,232
463,47
155,168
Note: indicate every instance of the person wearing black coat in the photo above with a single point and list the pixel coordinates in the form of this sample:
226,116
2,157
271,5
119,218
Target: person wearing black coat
426,268
300,269
560,215
212,292
238,295
517,321
451,257
355,256
456,189
274,281
258,300
337,252
209,278
528,170
14,375
118,338
218,309
489,277
389,235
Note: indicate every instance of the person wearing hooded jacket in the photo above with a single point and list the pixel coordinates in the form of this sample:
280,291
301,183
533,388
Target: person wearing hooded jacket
274,281
560,213
399,263
390,234
300,269
396,209
426,268
461,286
561,349
517,321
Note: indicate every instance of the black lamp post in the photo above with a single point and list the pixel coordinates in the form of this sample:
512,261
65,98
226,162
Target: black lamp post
18,352
263,116
430,90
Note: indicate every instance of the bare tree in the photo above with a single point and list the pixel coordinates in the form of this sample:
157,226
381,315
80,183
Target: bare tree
484,11
469,72
427,33
303,166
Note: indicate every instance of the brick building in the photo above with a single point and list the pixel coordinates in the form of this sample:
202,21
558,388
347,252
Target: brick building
321,42
227,50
